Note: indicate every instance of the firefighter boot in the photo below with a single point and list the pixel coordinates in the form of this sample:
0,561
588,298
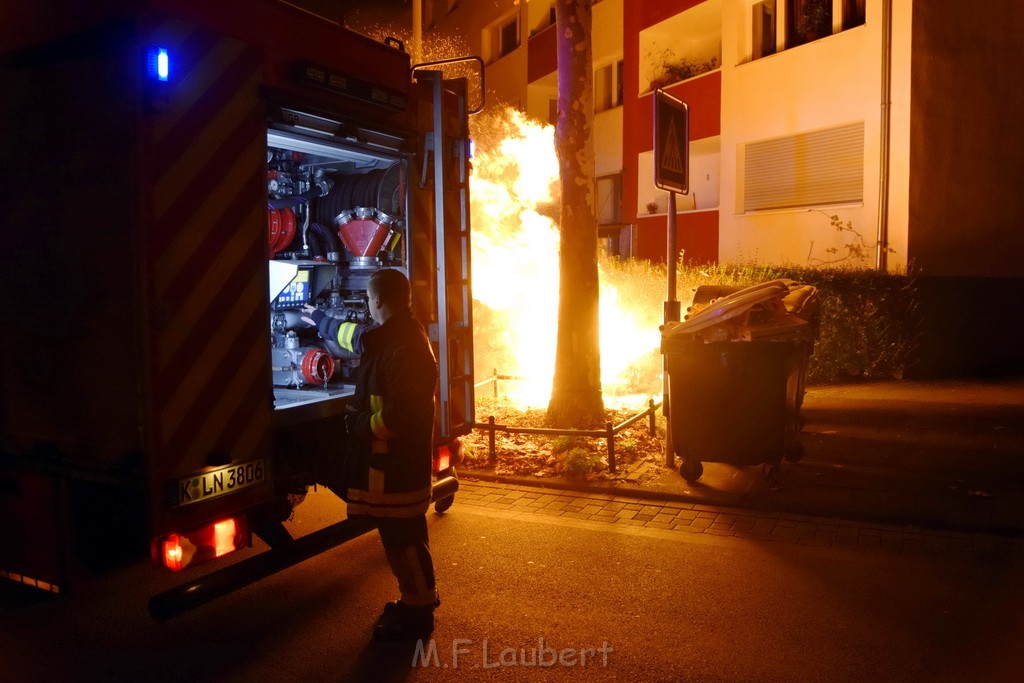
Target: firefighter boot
401,621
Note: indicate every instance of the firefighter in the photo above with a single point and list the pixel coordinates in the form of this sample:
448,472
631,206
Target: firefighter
390,438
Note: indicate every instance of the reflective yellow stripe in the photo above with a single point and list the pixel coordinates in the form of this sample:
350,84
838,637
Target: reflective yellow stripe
379,447
393,242
345,333
380,430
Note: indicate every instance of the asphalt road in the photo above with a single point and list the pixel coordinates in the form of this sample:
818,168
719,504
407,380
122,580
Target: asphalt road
529,595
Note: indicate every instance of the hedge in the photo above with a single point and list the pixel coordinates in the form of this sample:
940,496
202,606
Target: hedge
869,324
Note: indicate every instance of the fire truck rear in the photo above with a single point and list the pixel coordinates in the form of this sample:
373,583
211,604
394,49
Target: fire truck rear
182,178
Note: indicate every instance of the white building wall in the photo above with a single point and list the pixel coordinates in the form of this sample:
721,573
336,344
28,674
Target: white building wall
899,132
606,47
608,141
540,95
473,23
606,38
505,79
832,81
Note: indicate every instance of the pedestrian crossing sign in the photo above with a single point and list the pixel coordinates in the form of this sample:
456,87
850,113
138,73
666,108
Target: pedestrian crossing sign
671,143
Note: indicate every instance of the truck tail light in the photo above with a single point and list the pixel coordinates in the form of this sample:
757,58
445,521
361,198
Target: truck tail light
179,550
442,460
448,455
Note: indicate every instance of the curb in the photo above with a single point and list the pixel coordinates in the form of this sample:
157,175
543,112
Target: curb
561,484
934,521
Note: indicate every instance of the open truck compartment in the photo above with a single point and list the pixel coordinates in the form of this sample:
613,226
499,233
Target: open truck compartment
335,214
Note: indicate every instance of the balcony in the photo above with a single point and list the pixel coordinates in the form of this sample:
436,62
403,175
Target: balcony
682,47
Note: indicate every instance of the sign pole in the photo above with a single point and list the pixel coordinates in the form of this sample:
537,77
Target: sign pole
671,173
671,314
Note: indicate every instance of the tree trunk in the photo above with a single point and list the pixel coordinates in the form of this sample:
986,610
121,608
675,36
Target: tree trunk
576,392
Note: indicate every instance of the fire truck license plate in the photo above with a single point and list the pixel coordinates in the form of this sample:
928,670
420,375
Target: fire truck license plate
218,482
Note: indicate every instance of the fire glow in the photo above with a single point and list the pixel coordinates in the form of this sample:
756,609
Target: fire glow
515,275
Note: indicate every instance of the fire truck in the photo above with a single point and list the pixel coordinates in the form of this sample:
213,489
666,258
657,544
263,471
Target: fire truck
183,177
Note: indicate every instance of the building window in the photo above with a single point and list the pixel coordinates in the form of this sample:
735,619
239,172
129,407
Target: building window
502,37
509,37
609,199
816,168
763,24
608,86
807,20
853,13
617,240
804,21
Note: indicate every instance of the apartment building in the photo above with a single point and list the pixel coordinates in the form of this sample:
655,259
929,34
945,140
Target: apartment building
899,117
800,109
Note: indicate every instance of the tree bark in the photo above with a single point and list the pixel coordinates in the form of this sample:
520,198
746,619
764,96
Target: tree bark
576,391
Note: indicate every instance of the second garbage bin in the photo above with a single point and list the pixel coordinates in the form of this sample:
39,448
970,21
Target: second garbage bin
736,372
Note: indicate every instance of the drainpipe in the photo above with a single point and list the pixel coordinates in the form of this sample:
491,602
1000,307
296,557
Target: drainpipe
882,241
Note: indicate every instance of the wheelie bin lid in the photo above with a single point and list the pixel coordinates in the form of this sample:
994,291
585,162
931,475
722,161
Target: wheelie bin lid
727,319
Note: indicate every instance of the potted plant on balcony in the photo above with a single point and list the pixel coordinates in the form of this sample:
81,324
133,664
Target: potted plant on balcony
814,20
672,68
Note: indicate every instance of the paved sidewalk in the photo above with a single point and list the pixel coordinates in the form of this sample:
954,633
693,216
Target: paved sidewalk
938,455
709,520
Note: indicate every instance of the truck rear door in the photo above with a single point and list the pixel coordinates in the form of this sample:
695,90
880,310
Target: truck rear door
442,201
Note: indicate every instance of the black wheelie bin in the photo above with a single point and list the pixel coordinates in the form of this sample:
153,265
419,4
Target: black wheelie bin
736,369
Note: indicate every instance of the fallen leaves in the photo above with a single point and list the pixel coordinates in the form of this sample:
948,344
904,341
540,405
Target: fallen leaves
544,455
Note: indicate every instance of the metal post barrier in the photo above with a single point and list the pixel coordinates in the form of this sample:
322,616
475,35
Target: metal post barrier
611,446
608,433
492,455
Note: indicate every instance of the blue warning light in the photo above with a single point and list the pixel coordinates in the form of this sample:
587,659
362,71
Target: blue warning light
160,64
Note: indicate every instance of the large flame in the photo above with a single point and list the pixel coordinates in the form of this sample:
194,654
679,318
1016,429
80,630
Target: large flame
515,274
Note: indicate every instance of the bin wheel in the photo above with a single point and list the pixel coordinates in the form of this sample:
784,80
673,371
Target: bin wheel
691,470
444,504
770,472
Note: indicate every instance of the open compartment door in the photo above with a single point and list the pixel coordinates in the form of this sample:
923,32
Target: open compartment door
442,205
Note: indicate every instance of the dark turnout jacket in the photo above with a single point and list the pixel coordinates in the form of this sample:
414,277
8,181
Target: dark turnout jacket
388,468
